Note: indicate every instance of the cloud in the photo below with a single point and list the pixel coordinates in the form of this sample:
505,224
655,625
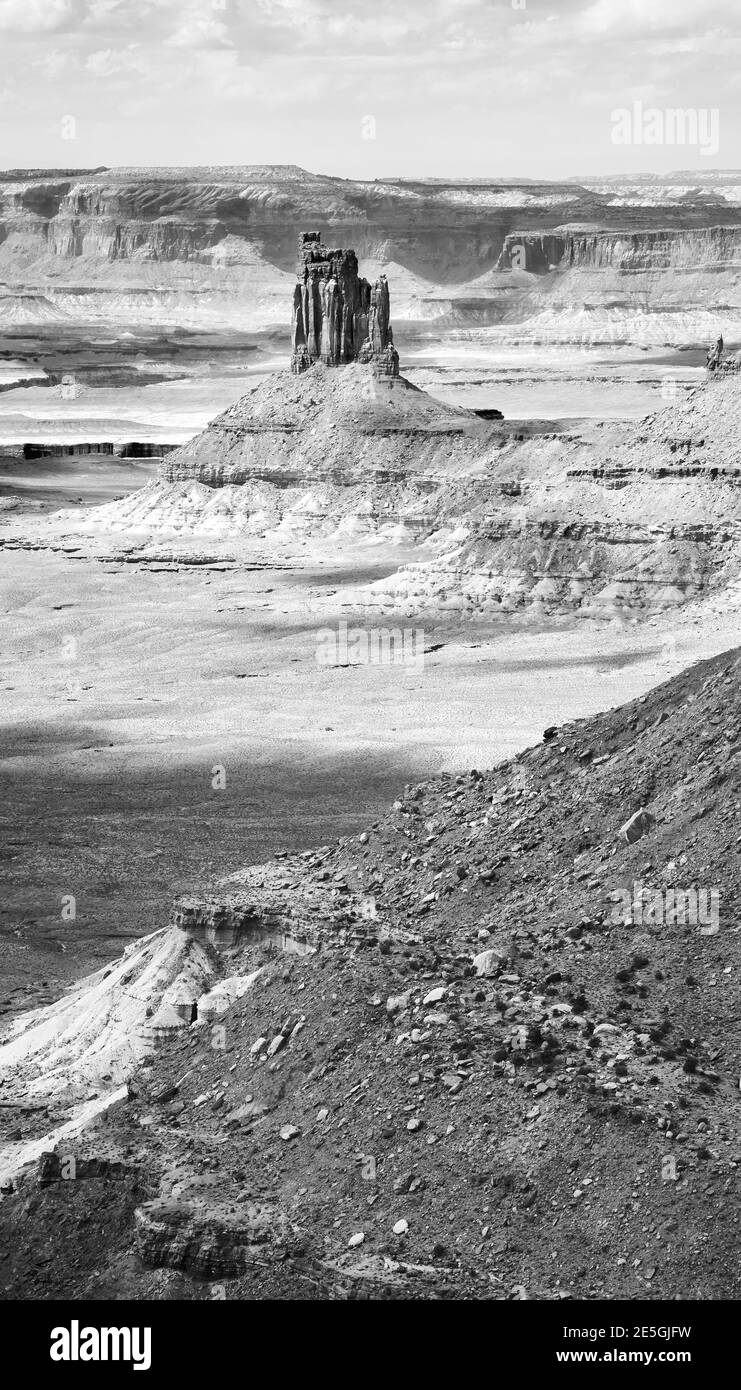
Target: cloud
41,16
463,85
631,18
54,64
199,31
105,62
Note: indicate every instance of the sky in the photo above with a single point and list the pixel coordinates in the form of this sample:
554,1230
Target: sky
384,88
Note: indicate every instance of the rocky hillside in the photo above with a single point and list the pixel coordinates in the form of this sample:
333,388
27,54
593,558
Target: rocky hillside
611,520
342,424
487,1048
200,245
618,521
334,452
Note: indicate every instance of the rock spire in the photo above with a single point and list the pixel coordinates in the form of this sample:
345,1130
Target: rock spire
338,316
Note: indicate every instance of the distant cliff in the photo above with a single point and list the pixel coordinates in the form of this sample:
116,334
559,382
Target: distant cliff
650,249
218,244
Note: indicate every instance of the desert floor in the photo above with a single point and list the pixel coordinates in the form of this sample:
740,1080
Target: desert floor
129,691
127,694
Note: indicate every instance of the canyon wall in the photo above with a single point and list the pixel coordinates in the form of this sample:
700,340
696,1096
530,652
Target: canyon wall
648,250
218,245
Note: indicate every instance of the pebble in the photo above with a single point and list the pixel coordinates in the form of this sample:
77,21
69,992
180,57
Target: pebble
487,962
403,1183
357,1239
401,1227
396,1002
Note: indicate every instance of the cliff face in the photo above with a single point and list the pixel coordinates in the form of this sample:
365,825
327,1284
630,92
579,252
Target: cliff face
224,239
339,317
648,250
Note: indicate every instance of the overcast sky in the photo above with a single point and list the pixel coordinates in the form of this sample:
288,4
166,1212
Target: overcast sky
443,87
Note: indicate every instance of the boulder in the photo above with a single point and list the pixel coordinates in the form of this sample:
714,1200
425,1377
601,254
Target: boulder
638,826
487,962
396,1003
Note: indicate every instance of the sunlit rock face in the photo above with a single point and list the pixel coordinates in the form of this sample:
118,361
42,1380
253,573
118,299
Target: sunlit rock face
650,260
338,316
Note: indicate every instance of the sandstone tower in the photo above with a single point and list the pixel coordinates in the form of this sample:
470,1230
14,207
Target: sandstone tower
339,317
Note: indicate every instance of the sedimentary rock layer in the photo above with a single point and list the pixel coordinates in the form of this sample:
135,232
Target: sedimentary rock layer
202,244
327,424
610,520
